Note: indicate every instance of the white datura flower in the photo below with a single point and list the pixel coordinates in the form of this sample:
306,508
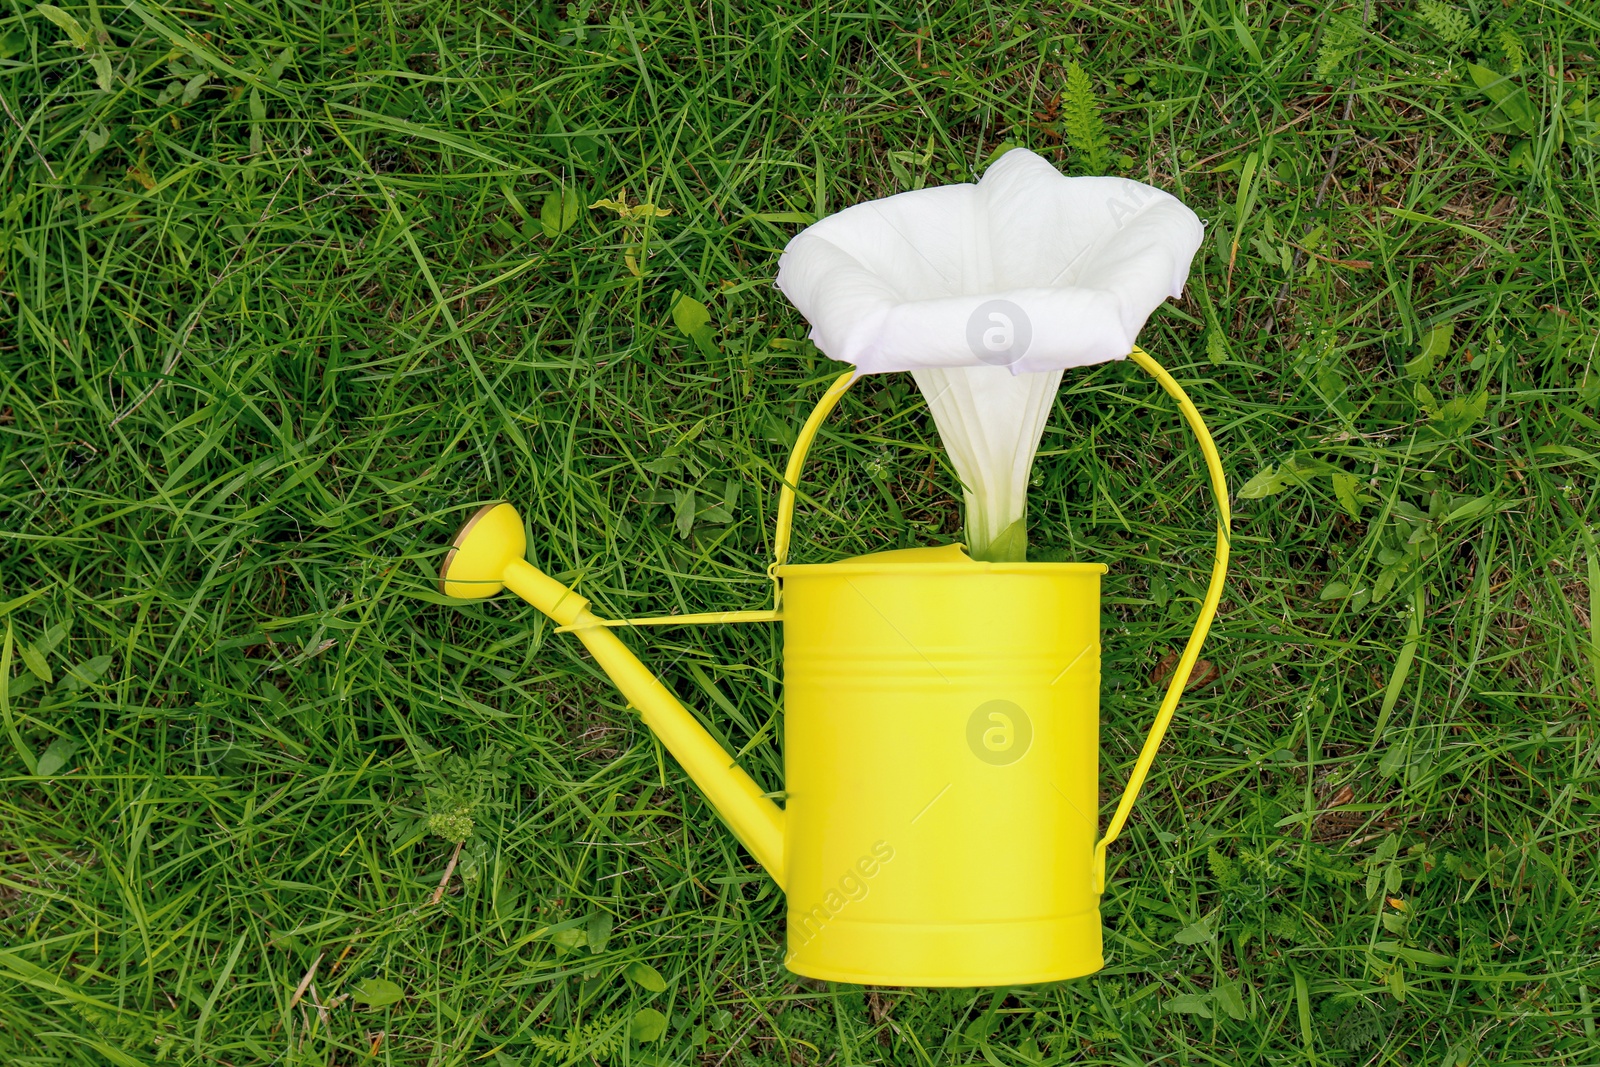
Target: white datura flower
986,292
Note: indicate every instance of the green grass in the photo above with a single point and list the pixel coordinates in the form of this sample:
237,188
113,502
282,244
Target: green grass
278,308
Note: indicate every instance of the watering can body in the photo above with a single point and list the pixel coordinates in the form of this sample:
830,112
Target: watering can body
941,722
941,739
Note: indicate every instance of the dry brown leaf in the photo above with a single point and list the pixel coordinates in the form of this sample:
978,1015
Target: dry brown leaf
1204,673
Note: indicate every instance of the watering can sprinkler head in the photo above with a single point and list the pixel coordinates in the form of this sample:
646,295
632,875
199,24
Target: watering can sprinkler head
476,564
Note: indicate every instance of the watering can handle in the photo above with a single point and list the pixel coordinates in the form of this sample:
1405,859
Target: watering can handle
1208,607
1208,610
791,476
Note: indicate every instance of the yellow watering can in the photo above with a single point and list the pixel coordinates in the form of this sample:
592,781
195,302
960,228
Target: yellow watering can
941,741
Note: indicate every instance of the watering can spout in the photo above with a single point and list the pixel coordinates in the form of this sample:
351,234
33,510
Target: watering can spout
488,556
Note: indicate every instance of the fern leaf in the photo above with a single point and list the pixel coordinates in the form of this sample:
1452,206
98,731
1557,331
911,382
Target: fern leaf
1510,46
1340,38
596,1040
1451,23
1223,869
1217,346
602,1037
1080,115
1262,865
550,1046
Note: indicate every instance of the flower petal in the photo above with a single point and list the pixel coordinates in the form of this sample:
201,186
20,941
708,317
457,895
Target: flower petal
1074,267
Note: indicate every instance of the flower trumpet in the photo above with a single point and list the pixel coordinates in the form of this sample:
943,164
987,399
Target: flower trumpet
986,292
